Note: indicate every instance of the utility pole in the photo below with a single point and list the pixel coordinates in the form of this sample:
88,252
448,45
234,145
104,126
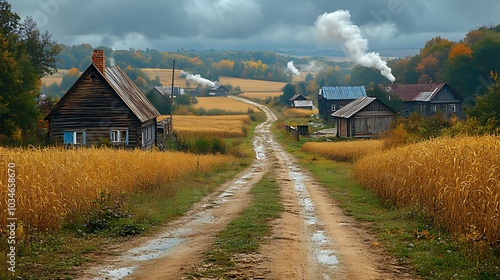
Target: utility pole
172,100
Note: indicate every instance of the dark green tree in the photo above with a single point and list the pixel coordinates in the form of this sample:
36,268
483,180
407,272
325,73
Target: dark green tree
25,56
486,107
288,92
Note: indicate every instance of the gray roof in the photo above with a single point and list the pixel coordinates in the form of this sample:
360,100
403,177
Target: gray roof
130,94
343,92
302,103
353,107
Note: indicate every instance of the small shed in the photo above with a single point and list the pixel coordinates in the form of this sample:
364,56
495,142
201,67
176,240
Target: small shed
331,99
301,102
218,90
365,117
103,106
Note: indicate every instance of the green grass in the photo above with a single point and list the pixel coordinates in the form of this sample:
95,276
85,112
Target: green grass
406,233
244,234
57,255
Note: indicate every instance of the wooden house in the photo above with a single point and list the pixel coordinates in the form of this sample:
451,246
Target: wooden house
365,117
300,102
103,106
427,99
331,99
218,90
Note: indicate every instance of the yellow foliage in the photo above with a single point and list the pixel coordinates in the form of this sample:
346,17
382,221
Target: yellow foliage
459,50
455,180
52,183
344,151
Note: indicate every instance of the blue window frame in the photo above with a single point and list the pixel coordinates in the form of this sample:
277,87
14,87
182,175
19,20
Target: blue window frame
75,138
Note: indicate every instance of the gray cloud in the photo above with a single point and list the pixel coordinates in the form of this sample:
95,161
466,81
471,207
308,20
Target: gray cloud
252,24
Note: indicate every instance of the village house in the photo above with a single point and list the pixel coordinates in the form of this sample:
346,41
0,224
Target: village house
428,99
300,102
331,99
103,106
218,90
365,117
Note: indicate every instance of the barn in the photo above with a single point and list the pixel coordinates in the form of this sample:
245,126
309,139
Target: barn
103,106
331,99
301,102
365,117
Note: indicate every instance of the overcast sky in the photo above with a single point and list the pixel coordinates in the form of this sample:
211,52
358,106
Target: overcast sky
252,24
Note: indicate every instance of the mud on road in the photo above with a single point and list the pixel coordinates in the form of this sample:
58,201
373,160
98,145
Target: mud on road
313,239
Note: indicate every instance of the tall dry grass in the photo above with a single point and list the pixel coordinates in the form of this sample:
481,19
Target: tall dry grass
347,151
224,104
225,126
299,113
455,180
52,183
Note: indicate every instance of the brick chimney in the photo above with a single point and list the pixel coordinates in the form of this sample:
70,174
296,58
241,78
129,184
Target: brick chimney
99,60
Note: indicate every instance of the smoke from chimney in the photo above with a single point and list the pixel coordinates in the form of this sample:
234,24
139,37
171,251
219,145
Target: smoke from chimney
198,79
99,60
292,68
338,26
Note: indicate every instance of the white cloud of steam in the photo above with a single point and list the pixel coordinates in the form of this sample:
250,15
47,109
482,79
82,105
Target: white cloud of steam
198,79
312,67
338,26
292,68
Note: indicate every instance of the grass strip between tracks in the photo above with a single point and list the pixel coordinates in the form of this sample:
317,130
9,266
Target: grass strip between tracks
244,234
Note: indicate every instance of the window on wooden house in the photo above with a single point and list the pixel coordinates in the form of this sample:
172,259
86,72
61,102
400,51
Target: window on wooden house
75,138
333,107
452,108
119,136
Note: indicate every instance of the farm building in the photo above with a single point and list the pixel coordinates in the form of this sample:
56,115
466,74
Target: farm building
427,99
331,99
301,102
364,117
102,106
218,90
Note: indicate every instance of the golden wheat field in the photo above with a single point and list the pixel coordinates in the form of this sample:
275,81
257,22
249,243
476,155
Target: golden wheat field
166,77
261,95
248,85
52,183
457,181
55,78
227,126
348,151
224,104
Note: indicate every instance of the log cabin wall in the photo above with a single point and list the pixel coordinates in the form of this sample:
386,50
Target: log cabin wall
94,107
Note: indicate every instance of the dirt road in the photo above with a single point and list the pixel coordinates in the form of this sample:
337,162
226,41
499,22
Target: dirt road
312,240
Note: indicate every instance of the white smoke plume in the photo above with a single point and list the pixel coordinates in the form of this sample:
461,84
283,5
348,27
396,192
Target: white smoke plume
198,79
292,68
338,26
312,67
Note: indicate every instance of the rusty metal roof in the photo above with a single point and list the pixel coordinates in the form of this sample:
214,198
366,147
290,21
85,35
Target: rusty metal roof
130,94
415,92
353,107
343,92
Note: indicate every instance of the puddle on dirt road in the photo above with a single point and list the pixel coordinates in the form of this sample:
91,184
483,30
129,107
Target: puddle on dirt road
160,246
321,245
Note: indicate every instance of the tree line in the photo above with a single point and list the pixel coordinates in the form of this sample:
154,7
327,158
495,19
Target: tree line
26,55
